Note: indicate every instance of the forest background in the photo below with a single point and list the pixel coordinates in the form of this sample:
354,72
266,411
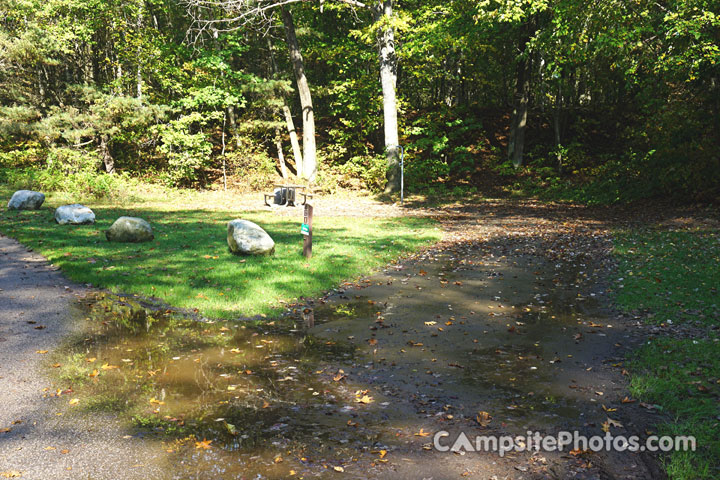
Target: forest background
599,101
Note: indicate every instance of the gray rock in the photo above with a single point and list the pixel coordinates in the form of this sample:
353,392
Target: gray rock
74,214
246,238
26,200
130,229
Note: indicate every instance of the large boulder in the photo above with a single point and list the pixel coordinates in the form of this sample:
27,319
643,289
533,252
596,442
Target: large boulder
26,200
246,238
130,229
74,214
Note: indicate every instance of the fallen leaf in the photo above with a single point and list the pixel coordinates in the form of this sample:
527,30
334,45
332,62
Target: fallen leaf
339,469
203,445
41,352
74,401
364,399
93,374
628,400
614,423
11,474
483,418
422,433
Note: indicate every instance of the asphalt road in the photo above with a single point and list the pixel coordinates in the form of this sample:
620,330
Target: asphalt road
42,436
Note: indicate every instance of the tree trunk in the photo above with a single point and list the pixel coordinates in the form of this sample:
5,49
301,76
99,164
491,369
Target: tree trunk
138,76
388,80
222,154
108,161
516,145
294,141
556,127
289,121
309,162
281,156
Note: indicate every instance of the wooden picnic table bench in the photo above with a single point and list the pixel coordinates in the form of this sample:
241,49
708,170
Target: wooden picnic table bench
288,194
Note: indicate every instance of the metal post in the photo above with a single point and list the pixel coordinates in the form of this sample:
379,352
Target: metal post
306,230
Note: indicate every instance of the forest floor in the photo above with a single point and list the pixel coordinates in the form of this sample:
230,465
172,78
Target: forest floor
506,325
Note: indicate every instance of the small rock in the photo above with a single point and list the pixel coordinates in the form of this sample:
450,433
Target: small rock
74,214
131,230
26,200
246,238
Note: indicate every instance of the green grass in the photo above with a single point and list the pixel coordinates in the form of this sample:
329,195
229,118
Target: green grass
673,277
188,264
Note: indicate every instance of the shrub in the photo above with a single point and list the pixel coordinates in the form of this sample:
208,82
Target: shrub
67,170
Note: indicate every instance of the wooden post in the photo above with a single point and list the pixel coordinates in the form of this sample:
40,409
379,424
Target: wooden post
306,230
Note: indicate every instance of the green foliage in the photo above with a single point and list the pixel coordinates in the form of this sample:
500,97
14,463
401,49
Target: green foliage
186,147
253,166
441,148
632,88
67,170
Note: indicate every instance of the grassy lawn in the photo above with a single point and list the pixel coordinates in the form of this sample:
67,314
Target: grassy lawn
674,277
188,264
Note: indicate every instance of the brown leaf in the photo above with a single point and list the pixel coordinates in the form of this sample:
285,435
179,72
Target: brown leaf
483,418
614,423
577,452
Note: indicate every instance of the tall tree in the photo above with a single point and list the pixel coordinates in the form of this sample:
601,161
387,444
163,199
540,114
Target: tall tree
388,80
309,159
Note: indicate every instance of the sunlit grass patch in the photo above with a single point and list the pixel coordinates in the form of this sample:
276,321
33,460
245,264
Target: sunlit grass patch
188,264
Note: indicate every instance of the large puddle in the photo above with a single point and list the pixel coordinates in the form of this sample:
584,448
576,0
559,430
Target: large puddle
352,384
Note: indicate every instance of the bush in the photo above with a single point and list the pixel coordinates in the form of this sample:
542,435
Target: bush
67,170
250,166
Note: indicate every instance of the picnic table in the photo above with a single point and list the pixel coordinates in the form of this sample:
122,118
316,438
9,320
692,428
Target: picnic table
286,195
